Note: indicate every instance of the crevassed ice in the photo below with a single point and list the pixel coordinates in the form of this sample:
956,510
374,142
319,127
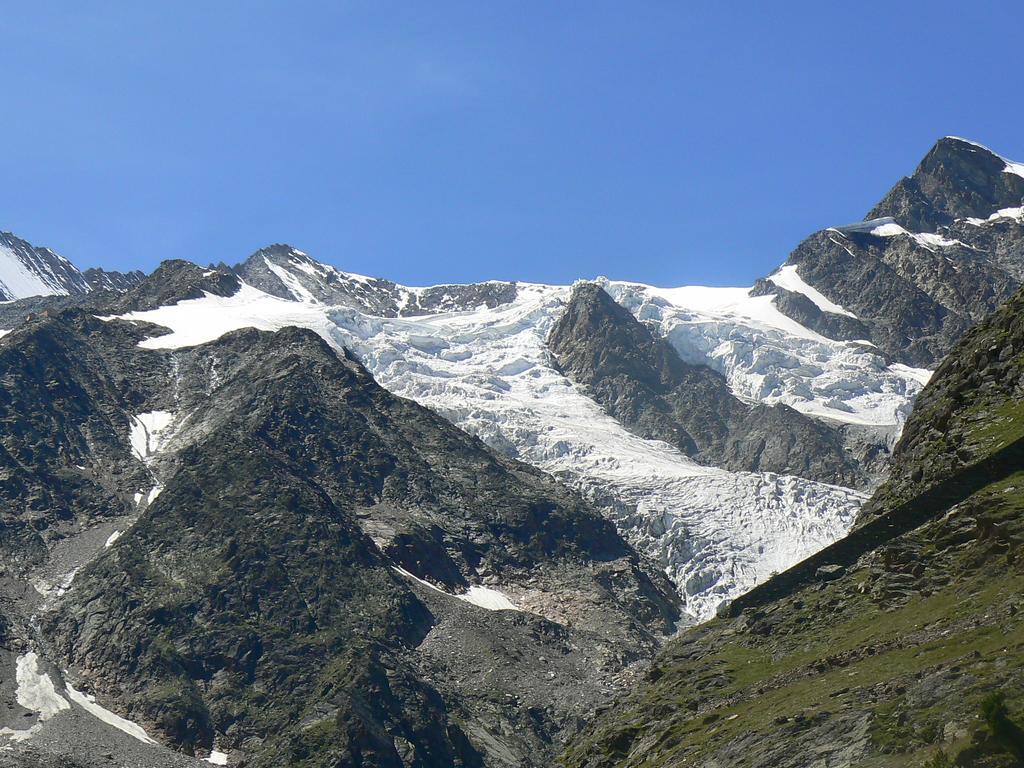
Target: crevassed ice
716,533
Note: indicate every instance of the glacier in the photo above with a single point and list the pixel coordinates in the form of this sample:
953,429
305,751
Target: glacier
487,369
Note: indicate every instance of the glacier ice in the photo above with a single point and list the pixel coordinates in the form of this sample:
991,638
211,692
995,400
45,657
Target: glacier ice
716,533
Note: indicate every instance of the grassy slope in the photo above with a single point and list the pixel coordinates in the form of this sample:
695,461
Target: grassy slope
906,644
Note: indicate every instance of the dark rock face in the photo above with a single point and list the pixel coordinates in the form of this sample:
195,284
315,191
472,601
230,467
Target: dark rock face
63,459
882,283
283,271
641,381
254,601
914,298
956,179
880,649
175,281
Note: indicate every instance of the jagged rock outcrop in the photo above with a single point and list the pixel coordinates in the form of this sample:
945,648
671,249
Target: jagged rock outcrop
956,179
887,647
112,280
175,281
641,381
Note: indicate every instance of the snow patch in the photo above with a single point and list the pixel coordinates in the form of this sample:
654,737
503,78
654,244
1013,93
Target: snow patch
36,690
491,599
1016,169
928,240
1002,213
88,703
482,597
112,538
19,281
787,278
889,229
217,758
149,432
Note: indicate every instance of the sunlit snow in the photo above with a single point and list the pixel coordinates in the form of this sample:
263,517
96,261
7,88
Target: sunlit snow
1002,213
482,597
36,690
786,277
17,280
148,432
928,240
88,703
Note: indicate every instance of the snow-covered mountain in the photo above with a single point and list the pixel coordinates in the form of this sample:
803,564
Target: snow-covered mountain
827,344
27,271
222,523
837,333
489,370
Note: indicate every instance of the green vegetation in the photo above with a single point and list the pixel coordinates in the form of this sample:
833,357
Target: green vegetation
896,656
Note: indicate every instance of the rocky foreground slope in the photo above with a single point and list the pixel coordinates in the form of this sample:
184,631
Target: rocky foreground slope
901,645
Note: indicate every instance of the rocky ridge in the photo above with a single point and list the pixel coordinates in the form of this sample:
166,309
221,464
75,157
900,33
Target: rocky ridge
641,381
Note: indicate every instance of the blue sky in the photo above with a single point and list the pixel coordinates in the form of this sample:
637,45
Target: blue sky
665,142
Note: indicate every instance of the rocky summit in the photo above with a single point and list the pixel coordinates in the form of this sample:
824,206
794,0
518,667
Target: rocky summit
271,513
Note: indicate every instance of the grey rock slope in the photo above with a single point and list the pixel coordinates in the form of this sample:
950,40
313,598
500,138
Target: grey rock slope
252,602
938,254
641,381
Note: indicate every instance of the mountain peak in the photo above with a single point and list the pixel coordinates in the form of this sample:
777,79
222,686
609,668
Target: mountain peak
29,271
957,179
